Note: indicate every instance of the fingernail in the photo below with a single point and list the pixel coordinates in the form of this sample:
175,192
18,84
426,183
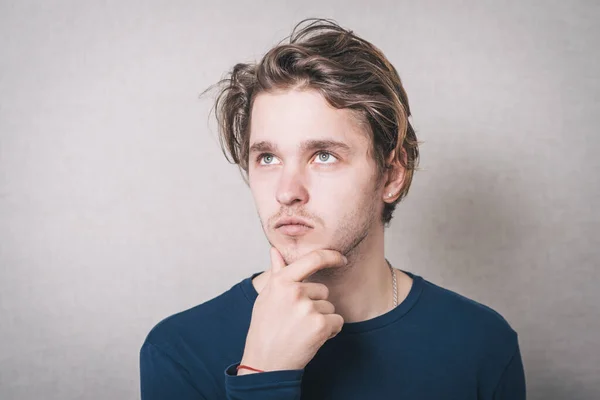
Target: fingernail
345,259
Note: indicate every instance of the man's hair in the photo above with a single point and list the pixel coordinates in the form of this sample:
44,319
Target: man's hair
348,71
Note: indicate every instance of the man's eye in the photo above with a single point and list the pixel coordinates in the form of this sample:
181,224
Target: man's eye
323,156
327,155
266,156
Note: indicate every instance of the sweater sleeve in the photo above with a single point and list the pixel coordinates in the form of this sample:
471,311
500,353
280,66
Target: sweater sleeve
270,385
163,378
512,382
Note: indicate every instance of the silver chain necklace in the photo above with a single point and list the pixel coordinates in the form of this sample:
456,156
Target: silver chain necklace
393,284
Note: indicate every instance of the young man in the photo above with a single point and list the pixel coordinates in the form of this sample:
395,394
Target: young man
320,129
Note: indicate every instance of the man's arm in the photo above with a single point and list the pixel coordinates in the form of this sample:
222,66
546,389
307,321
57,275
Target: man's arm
163,378
269,385
512,382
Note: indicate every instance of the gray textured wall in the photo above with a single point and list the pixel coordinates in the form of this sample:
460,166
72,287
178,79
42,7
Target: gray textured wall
117,207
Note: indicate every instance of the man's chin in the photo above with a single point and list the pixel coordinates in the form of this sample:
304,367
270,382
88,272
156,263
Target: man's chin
293,252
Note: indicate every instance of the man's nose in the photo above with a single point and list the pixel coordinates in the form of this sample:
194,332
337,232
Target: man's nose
291,187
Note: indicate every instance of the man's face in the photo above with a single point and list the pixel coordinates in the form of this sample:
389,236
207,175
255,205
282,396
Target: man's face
332,187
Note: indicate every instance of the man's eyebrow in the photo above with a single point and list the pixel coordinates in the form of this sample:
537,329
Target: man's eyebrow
308,145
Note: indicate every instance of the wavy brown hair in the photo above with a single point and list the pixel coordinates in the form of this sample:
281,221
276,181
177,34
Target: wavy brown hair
349,72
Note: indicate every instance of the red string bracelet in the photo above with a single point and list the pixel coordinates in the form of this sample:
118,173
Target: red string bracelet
247,367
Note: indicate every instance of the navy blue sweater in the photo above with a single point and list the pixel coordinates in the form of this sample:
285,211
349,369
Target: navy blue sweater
436,344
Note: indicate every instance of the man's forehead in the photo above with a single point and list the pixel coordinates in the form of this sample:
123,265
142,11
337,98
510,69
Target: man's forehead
303,121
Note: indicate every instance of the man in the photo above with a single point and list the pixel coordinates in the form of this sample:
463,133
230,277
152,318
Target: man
320,129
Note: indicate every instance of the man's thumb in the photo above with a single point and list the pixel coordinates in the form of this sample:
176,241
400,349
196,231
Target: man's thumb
277,262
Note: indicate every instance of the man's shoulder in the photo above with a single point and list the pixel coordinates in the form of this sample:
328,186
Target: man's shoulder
201,319
469,317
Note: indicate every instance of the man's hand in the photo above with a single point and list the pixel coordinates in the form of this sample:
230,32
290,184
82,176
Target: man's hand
292,319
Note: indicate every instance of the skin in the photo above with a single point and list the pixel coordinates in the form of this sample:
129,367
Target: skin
334,189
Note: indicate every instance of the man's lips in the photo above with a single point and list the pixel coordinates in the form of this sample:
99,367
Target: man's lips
294,229
292,221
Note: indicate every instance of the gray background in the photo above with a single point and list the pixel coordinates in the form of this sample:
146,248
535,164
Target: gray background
117,207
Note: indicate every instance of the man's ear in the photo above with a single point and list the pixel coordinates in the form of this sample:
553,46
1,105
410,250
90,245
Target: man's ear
395,175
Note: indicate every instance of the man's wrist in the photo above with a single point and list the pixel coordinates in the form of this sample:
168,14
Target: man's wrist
244,371
248,367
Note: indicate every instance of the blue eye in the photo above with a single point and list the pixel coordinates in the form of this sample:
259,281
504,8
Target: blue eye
323,156
326,154
269,156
